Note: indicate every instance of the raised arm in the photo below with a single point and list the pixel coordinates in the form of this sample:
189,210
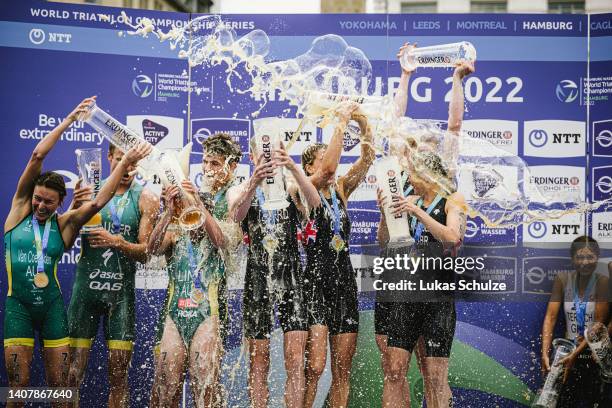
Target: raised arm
329,164
239,197
309,192
159,242
401,94
351,180
456,106
72,221
25,186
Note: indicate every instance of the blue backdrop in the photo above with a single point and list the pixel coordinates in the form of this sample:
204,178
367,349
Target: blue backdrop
533,73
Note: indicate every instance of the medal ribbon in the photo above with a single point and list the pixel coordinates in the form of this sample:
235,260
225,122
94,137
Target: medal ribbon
336,210
115,214
41,244
420,227
193,266
269,216
407,191
581,304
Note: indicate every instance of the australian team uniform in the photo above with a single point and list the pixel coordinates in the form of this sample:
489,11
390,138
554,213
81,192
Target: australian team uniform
332,285
435,319
274,273
196,285
105,279
27,306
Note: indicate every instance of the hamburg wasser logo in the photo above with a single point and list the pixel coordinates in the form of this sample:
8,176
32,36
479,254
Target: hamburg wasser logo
602,183
566,91
535,275
153,132
37,36
142,86
538,137
471,229
536,229
602,138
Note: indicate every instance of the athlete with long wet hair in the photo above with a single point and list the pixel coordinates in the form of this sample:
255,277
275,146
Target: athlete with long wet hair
383,310
35,237
189,334
332,286
274,275
105,279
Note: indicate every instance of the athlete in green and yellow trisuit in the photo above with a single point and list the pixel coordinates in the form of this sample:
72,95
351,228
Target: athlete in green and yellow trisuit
34,240
190,323
104,284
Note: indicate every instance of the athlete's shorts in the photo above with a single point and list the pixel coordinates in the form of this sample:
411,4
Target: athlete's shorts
258,304
84,314
21,319
383,312
435,321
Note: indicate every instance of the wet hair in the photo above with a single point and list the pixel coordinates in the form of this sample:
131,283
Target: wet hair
52,181
431,162
222,144
584,241
310,153
111,148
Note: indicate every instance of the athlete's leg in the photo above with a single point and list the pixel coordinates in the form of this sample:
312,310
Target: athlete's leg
18,360
393,388
118,364
315,361
78,363
342,351
381,342
295,347
435,376
259,367
169,366
204,353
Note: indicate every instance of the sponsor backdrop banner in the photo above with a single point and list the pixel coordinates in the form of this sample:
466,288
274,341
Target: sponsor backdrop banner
529,97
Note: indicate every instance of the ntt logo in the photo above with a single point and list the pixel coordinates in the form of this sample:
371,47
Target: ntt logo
471,229
538,137
37,36
567,91
604,184
142,86
537,230
535,275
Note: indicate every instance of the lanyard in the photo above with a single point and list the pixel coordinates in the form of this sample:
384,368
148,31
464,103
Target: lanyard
408,190
581,304
269,216
193,266
420,227
41,244
115,214
336,210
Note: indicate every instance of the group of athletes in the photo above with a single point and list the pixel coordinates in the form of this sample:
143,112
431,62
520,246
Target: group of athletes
316,304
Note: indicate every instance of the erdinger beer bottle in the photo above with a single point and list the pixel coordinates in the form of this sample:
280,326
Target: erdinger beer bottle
444,55
163,164
89,163
267,139
389,180
549,394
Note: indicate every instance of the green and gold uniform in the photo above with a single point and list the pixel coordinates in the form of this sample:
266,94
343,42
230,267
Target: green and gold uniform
28,308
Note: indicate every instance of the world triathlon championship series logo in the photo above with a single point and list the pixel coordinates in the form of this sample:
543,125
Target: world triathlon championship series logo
566,91
142,86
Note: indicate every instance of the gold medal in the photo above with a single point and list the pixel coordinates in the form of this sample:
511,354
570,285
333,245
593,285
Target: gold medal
337,243
197,295
270,243
41,280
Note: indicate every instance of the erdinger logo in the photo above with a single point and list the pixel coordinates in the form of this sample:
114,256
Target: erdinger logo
471,229
538,137
153,132
535,275
604,138
567,91
391,173
604,184
142,86
507,135
574,181
37,36
371,179
537,229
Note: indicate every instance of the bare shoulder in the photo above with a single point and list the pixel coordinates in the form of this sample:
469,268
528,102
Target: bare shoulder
456,200
148,199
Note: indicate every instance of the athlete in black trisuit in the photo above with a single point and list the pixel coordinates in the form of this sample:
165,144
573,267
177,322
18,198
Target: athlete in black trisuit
383,310
274,275
438,226
332,285
35,238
